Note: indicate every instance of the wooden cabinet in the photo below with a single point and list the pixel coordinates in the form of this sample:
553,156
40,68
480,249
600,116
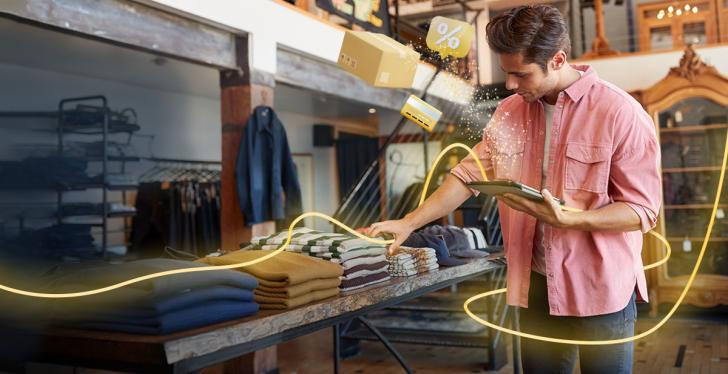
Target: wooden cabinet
669,25
690,110
722,6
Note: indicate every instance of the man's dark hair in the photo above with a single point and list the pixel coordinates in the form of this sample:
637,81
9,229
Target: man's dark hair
535,31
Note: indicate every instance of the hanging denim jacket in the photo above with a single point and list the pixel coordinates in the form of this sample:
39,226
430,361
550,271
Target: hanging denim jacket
267,181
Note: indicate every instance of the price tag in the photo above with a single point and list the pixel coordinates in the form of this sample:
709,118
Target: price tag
450,37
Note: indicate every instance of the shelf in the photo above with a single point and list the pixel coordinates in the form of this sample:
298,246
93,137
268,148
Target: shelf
95,130
698,239
112,158
696,169
67,188
423,337
108,215
694,206
695,128
92,185
438,303
29,114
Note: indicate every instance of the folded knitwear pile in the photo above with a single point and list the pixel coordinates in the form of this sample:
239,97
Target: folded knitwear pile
157,306
286,280
363,262
411,261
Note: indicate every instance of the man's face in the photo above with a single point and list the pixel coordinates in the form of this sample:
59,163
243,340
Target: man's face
527,80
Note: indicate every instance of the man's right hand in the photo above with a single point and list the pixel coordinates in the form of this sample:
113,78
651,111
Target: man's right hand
401,229
444,200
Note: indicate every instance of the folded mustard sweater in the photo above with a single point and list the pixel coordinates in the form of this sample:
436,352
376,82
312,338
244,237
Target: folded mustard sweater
266,302
299,289
282,270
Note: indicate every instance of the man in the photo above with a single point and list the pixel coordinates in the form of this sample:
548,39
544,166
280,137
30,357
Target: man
575,275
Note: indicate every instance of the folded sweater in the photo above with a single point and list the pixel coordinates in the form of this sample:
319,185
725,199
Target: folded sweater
142,308
267,302
373,266
348,285
298,289
104,275
188,318
281,270
363,273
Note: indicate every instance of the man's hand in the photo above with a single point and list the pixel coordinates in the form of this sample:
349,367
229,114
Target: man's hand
401,229
547,211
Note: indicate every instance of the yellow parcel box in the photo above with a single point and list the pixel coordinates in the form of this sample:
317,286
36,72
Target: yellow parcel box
378,59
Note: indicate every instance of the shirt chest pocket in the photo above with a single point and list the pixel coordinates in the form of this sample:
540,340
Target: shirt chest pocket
587,167
509,161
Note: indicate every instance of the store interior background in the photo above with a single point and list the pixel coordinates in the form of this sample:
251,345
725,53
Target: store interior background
178,106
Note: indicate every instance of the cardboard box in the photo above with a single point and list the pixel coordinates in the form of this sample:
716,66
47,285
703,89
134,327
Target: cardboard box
421,113
378,59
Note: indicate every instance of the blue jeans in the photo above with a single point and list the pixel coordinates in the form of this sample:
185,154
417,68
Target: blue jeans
544,357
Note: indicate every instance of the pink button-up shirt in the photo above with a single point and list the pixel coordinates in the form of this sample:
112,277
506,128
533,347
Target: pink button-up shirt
603,150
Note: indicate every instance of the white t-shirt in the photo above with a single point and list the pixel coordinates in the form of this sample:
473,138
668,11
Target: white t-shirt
538,262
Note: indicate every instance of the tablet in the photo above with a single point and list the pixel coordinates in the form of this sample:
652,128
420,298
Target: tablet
500,187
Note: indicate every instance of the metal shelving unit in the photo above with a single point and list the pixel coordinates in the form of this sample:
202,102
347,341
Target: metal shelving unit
90,116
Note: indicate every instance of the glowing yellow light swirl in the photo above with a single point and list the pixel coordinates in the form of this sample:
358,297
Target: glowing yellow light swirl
470,300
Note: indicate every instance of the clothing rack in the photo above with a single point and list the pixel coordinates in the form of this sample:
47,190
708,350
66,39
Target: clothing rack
172,170
178,205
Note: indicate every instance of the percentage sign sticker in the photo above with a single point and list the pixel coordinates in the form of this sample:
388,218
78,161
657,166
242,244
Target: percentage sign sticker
450,37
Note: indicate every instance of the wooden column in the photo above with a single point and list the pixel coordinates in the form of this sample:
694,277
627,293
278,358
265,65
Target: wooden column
600,44
241,91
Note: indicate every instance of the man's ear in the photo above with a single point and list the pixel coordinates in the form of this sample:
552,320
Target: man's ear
559,60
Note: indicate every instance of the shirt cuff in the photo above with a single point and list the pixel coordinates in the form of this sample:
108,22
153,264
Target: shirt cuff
648,221
461,172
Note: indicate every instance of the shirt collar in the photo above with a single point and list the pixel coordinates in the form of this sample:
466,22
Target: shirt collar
583,84
264,118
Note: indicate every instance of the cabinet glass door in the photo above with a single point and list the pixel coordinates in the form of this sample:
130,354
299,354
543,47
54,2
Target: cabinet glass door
694,33
661,38
692,137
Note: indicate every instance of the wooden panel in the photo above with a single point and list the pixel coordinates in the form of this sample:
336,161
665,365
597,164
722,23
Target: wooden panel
722,8
717,126
132,25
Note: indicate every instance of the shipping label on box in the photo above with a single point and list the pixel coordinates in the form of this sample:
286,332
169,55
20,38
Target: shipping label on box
378,59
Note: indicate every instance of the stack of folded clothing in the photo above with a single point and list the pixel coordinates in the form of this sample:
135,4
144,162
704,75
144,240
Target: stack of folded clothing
411,261
152,307
457,240
363,271
364,262
286,280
